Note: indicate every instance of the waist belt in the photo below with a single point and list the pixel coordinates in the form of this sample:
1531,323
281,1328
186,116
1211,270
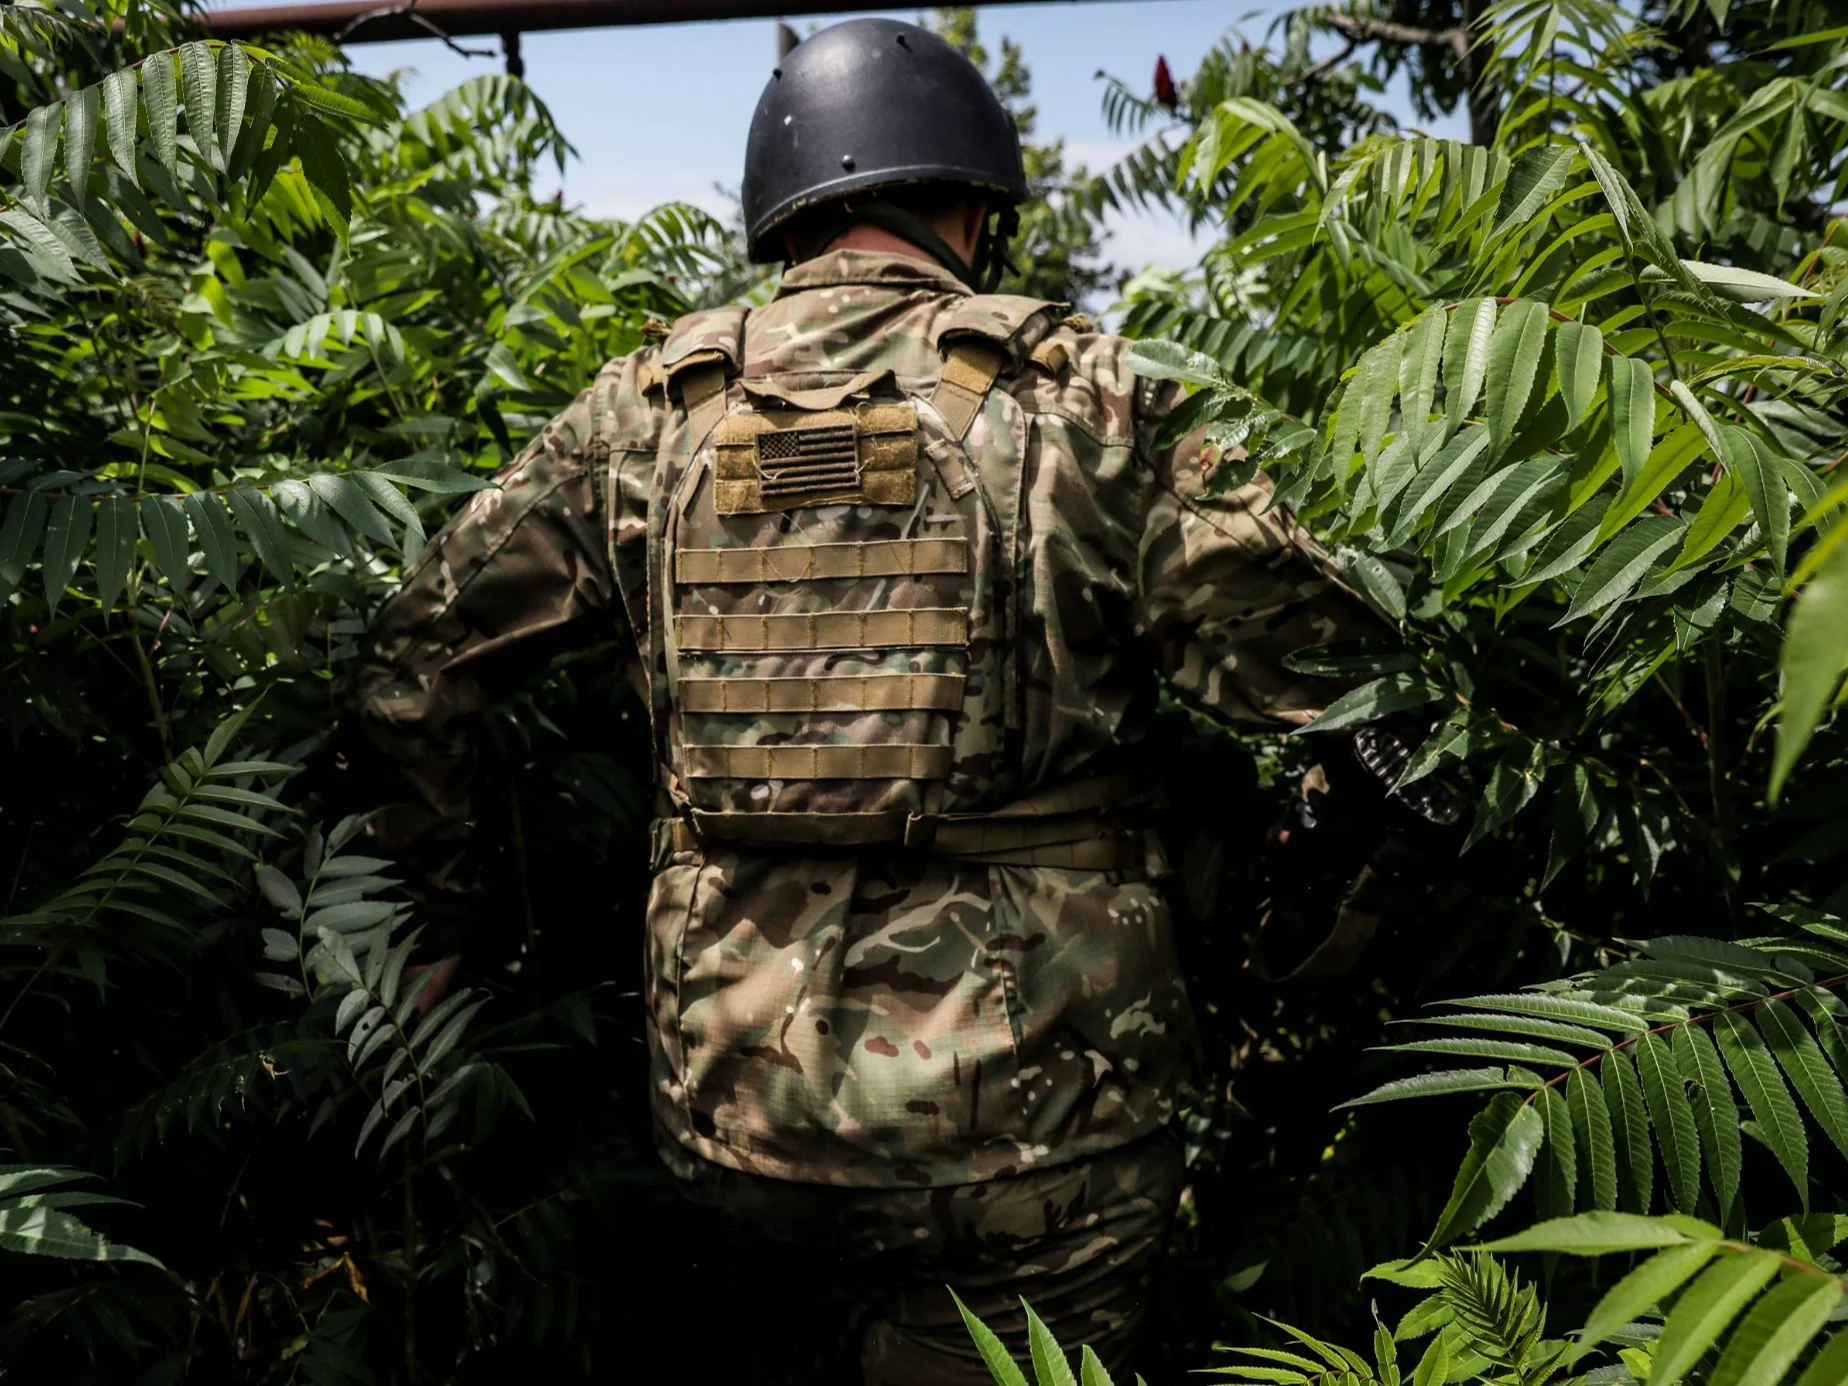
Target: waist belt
1090,825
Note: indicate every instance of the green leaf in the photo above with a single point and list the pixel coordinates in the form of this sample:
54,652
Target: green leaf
1575,814
1565,1008
66,535
81,111
1433,1368
1674,1118
1704,1310
1377,581
1378,382
1091,1372
1633,410
1418,372
1158,360
1049,1365
1623,565
1556,1179
311,93
994,1355
19,534
256,514
1538,174
22,1179
1720,512
1765,1346
1747,286
1435,478
1591,1123
119,113
1650,1283
1437,1085
1509,1050
233,92
1466,357
1809,1073
217,539
247,143
1762,475
49,252
1630,1124
1715,1116
1504,1139
1578,356
1372,701
1532,1027
1830,1367
38,153
164,523
116,532
1814,657
1514,780
1514,362
1753,1070
352,505
199,78
1673,453
279,890
161,97
1601,1234
319,150
1571,544
1697,414
52,1232
385,496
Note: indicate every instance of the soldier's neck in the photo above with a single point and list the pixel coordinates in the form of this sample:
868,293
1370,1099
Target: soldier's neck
877,238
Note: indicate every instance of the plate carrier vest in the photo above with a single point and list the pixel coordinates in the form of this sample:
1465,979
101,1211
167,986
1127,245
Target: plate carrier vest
831,593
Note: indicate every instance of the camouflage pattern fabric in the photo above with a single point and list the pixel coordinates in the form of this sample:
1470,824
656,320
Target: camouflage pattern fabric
877,1017
1077,1242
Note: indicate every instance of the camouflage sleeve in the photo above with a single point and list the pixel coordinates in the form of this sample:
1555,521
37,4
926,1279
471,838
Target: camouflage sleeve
518,575
1228,589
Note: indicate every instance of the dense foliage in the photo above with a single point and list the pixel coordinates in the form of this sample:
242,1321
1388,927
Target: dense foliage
1567,403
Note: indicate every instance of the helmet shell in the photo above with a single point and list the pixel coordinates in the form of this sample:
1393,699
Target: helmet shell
872,103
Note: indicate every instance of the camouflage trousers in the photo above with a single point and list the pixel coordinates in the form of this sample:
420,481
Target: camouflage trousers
829,1286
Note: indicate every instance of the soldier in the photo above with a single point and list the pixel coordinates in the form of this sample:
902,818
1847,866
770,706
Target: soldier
897,566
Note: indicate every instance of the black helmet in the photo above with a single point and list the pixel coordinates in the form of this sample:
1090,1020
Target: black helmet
866,107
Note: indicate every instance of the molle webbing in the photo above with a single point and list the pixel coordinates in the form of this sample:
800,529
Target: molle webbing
813,562
831,693
825,630
1092,825
889,761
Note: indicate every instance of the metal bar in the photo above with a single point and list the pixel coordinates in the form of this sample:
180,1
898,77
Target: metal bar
372,22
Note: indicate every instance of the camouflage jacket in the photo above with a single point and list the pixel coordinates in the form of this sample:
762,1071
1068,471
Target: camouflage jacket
881,1017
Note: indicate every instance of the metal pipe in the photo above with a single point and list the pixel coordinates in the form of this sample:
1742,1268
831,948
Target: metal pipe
367,21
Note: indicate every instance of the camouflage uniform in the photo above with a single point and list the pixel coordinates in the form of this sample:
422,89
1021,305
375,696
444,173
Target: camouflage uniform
872,1016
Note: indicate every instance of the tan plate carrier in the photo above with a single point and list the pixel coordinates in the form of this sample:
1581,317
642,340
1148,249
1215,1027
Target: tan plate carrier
827,617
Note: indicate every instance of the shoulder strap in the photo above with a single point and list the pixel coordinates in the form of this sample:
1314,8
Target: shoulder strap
982,336
969,372
702,353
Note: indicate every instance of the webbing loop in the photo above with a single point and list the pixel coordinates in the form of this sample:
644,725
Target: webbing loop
969,370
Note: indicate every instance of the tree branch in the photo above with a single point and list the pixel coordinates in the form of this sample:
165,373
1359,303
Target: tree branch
408,10
1364,29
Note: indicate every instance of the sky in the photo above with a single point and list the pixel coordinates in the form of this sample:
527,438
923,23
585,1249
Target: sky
658,113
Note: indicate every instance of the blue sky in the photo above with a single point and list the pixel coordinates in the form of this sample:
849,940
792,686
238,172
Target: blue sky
658,113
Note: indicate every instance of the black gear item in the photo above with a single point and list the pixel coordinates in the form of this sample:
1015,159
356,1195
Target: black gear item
871,105
1353,851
